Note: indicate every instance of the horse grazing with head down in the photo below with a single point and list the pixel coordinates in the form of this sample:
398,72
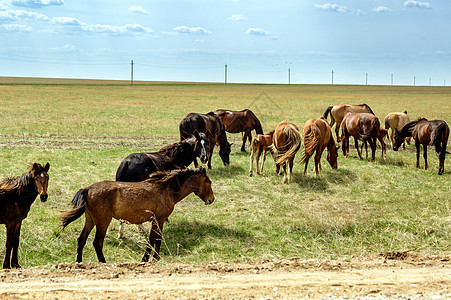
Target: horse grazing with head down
424,132
317,136
204,123
240,121
136,202
396,120
260,143
17,194
361,126
338,112
286,143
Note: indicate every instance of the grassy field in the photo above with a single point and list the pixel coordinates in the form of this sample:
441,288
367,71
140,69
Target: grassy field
85,128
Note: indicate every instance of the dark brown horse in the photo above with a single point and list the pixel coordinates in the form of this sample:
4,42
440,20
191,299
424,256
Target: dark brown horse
424,132
240,121
338,112
381,135
17,194
204,123
317,136
286,143
136,202
138,166
361,126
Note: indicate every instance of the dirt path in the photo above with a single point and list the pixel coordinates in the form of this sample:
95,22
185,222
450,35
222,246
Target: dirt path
414,277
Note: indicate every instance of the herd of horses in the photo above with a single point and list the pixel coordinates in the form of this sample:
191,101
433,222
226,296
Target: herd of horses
148,185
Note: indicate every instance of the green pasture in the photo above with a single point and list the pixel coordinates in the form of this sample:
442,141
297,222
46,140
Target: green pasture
85,128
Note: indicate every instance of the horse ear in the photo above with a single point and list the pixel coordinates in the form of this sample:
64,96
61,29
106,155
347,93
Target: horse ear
196,134
46,167
208,133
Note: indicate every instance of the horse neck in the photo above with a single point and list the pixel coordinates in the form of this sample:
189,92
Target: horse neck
185,188
22,187
407,130
181,153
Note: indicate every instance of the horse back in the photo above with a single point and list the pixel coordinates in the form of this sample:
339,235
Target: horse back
137,167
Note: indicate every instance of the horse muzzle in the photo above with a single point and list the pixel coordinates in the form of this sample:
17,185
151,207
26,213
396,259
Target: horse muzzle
44,197
209,201
203,159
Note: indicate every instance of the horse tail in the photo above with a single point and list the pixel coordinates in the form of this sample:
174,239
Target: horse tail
326,113
311,141
294,137
387,123
369,108
185,129
79,203
438,135
120,173
372,132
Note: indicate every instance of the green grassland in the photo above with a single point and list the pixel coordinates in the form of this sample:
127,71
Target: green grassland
85,128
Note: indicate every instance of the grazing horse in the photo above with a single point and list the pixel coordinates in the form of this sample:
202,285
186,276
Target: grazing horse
361,126
286,143
381,134
138,166
424,132
136,202
17,194
204,123
317,136
396,120
240,121
337,113
260,143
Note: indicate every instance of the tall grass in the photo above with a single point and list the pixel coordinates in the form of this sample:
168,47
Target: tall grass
85,129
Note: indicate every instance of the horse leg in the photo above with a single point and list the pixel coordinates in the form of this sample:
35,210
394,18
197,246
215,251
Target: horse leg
209,158
251,163
307,158
290,166
10,234
101,229
357,147
154,243
259,153
159,237
284,167
15,257
373,148
417,145
195,163
244,142
425,156
81,241
263,161
392,139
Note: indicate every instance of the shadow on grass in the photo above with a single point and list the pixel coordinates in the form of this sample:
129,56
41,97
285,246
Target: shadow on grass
311,182
227,171
390,161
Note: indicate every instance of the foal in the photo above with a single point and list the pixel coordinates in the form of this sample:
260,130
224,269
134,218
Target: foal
260,143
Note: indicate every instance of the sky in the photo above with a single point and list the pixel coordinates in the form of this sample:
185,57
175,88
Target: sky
403,42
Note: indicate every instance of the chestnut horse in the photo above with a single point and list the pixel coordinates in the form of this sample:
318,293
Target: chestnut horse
240,121
424,132
361,126
17,194
338,111
317,136
136,202
286,143
204,123
260,143
381,134
396,120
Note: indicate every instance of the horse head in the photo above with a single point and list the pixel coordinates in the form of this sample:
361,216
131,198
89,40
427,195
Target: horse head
41,179
398,139
224,152
203,145
332,156
204,190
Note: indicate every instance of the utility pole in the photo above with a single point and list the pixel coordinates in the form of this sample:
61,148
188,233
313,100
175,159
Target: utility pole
414,79
332,77
131,73
289,76
366,79
391,78
430,81
225,74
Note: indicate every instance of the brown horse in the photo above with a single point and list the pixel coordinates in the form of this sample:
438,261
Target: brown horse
17,194
424,132
317,136
396,120
240,121
286,143
337,113
361,126
260,143
381,134
203,123
136,202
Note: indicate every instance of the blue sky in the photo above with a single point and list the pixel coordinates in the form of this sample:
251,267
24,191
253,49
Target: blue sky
175,40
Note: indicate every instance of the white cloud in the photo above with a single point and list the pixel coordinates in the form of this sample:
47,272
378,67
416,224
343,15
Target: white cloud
16,27
66,48
74,24
237,18
257,31
191,30
382,9
138,10
67,21
36,3
417,4
17,15
332,7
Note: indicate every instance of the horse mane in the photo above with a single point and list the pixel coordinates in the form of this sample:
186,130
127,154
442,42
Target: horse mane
173,149
15,183
371,111
407,129
174,179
